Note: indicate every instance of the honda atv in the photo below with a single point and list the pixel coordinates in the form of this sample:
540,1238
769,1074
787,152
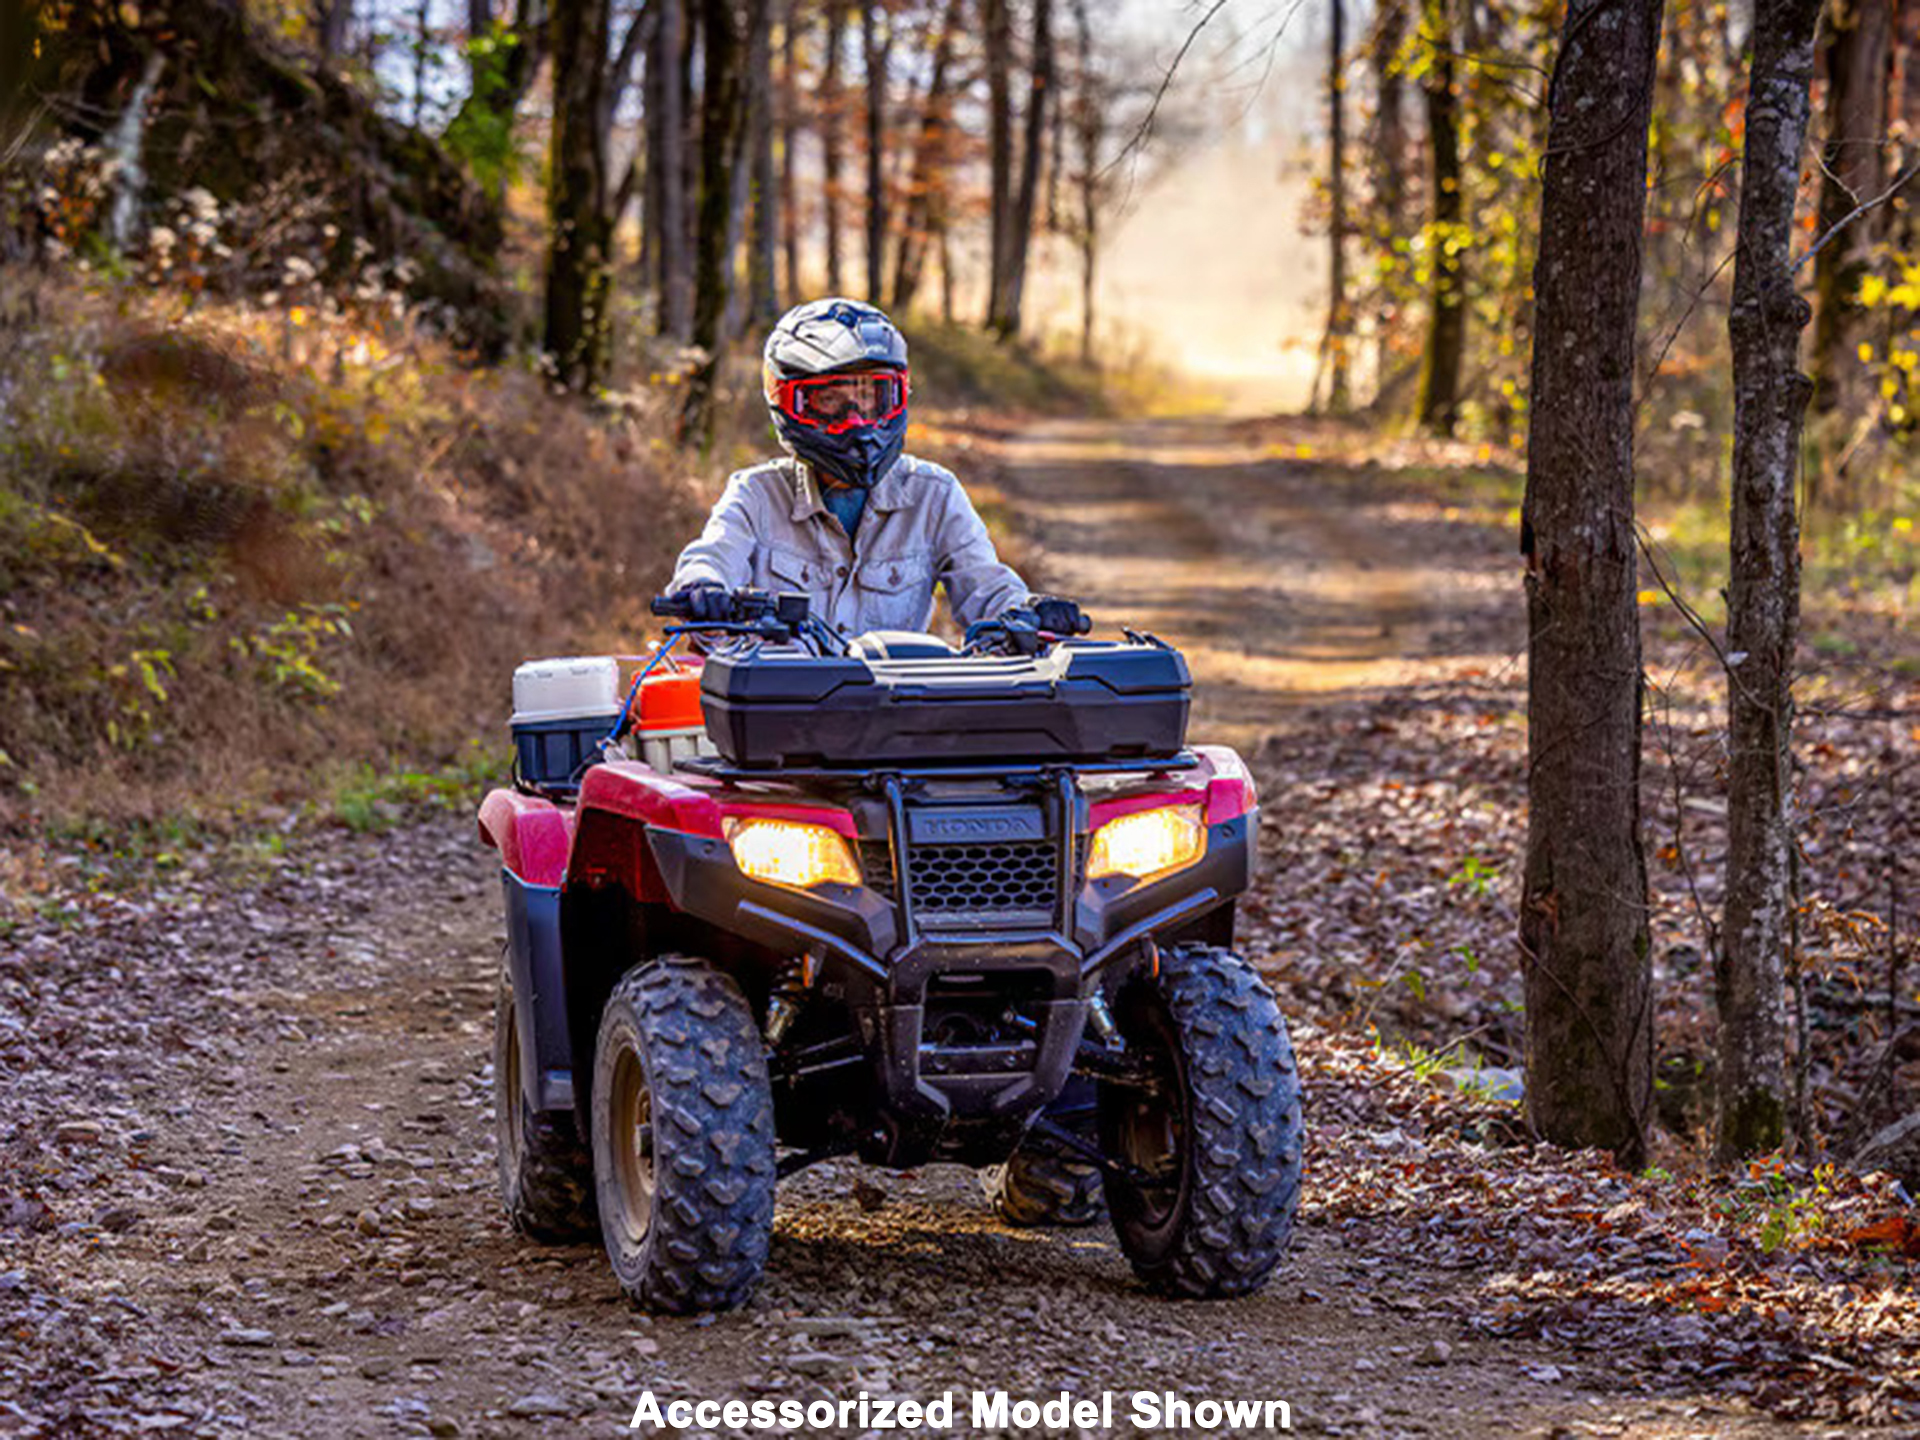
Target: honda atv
802,897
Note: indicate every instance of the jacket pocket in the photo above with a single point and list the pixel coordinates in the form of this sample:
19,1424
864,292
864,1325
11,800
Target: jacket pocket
896,591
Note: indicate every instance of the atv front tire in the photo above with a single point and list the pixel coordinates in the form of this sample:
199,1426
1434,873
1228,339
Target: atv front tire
1216,1146
683,1139
546,1174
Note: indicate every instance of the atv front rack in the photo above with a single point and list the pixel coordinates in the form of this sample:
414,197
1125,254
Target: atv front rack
715,767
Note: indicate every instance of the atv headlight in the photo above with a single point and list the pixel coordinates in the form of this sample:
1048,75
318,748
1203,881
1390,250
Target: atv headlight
791,852
1148,843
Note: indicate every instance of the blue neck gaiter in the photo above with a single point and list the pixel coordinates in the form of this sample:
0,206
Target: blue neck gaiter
847,503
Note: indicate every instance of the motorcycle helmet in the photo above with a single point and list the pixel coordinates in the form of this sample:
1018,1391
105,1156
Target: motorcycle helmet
835,374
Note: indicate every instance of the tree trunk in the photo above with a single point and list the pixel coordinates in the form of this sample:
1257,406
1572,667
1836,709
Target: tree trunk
998,24
1007,320
722,121
1389,172
422,57
1446,346
1763,602
1092,119
763,298
1583,915
929,167
789,134
1339,396
579,252
1857,46
830,106
946,267
666,171
877,45
334,18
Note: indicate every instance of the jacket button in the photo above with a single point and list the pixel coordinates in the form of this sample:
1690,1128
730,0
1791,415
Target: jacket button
841,572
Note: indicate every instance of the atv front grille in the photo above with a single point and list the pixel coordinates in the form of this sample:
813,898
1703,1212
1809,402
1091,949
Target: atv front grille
1005,882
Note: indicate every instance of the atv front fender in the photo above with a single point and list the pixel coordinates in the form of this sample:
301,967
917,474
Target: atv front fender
533,836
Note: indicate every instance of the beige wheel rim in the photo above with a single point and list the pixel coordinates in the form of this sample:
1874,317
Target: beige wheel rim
631,1141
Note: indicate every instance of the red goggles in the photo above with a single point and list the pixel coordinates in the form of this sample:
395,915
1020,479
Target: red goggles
839,403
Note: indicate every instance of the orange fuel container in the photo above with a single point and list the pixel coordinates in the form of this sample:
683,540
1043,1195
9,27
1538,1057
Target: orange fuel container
669,725
670,700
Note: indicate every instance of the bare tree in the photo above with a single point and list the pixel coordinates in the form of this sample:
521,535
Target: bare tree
723,116
332,17
1006,316
876,32
1389,151
1339,316
830,117
1583,915
1857,46
998,25
1090,120
1446,347
926,182
579,276
789,139
666,171
1763,603
763,299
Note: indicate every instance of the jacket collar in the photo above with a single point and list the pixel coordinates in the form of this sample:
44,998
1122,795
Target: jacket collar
889,494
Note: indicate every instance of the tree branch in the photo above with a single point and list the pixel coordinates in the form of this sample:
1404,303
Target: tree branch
1855,213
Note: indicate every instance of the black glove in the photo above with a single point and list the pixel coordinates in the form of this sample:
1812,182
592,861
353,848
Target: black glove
1059,616
704,602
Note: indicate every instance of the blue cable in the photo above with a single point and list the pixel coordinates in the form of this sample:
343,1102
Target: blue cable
673,638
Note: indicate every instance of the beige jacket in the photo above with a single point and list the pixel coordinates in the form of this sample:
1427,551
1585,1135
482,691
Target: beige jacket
770,530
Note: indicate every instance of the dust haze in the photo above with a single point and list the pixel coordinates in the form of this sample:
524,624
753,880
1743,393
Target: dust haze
1206,268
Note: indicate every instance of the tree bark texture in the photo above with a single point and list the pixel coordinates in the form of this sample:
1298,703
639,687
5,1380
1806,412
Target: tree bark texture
830,142
723,114
926,181
1763,602
998,24
1090,122
666,170
876,32
1583,914
579,284
789,138
763,297
1389,167
1857,46
334,18
1446,346
1006,321
1339,322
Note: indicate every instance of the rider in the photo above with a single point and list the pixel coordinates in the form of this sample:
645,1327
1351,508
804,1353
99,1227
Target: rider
863,529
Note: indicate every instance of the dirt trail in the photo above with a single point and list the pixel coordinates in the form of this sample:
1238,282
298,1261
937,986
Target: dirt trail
290,1113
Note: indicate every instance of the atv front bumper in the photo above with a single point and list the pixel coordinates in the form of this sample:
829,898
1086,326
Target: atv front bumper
942,1094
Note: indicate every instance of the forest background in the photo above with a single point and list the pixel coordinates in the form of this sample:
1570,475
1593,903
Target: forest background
322,325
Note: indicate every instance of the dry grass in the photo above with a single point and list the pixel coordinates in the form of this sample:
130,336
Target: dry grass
241,549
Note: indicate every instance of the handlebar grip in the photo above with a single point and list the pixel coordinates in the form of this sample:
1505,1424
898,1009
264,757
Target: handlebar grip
669,606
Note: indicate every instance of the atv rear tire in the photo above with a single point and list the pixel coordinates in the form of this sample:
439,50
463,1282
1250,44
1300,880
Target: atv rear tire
683,1139
1221,1138
546,1174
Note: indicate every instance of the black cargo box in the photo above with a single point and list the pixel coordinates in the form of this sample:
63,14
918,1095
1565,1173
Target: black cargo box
1084,700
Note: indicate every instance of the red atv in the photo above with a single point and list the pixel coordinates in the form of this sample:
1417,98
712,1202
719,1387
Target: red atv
891,899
